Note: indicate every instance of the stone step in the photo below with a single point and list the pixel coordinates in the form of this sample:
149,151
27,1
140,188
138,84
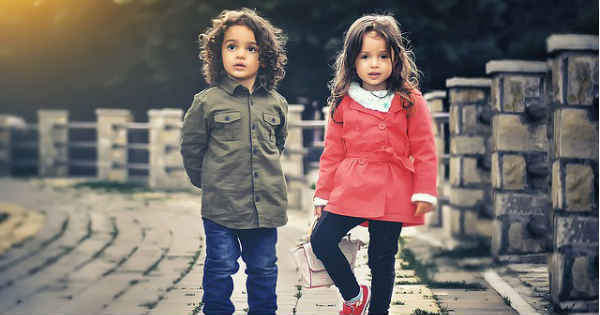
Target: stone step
529,268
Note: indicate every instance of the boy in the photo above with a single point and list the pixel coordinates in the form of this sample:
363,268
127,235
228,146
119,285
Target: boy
232,138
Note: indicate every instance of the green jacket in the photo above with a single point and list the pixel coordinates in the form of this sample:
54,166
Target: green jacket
231,143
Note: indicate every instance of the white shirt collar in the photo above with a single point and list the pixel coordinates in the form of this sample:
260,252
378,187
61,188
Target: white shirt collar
376,100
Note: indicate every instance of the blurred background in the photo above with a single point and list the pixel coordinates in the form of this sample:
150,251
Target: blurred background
79,55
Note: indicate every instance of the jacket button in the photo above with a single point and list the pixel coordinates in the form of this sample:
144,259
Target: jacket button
254,150
256,175
272,120
382,126
361,162
253,126
257,198
226,118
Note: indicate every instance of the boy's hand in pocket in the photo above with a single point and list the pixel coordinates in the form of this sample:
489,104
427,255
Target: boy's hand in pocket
423,207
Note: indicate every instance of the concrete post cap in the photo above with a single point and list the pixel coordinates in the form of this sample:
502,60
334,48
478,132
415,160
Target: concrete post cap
166,112
112,112
434,95
519,66
458,82
52,112
295,107
559,42
12,121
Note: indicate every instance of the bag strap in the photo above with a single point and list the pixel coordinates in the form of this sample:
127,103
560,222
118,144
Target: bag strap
312,226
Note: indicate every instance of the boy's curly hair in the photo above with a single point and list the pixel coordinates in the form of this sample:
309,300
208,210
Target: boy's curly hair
270,41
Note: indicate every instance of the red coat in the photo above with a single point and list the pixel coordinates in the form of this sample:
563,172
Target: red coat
374,162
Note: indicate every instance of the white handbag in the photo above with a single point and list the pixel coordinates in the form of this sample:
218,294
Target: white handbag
311,270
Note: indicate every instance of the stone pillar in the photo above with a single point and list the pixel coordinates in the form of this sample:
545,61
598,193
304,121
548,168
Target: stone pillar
8,123
112,144
292,159
439,110
166,164
53,148
574,263
5,147
520,161
467,212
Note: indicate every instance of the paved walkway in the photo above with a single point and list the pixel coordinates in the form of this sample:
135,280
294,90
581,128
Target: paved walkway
142,253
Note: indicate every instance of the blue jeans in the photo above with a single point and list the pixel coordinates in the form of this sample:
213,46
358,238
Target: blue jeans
223,248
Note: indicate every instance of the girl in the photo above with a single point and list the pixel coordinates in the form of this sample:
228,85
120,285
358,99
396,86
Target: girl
379,163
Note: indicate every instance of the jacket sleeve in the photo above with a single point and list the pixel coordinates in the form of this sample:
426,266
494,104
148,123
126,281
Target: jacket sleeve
194,140
282,132
422,149
333,154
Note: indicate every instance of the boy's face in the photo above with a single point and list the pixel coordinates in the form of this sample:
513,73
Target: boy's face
240,55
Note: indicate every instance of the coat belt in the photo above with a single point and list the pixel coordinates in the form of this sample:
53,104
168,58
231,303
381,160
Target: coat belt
384,155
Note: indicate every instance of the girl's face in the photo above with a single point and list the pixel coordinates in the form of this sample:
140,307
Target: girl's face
373,63
240,54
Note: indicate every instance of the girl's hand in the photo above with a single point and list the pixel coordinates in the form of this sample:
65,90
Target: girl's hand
318,210
423,207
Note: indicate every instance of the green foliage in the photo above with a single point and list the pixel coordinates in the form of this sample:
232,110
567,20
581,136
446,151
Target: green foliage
425,271
142,54
479,249
108,186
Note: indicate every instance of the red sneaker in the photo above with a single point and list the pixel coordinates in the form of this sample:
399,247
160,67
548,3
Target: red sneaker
358,307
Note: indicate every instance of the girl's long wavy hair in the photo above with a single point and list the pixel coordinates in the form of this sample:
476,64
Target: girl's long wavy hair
270,41
405,75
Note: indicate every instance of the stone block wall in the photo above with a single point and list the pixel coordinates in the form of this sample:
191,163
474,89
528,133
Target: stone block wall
520,176
467,212
574,154
438,105
53,143
7,125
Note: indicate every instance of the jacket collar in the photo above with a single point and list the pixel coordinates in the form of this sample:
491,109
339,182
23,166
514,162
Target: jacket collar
396,106
230,85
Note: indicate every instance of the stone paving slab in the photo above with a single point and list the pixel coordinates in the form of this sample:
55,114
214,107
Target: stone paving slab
531,282
143,254
25,288
76,232
98,295
20,224
52,229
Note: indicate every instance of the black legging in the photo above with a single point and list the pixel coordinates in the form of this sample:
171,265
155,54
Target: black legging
383,245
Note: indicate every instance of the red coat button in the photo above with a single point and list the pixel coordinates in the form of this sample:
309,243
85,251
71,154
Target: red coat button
382,126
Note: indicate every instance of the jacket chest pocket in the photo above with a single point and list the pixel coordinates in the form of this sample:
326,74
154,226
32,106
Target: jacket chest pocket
271,123
227,126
